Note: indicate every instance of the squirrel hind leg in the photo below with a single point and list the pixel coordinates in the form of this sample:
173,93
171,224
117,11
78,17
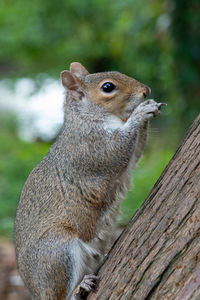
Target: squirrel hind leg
85,260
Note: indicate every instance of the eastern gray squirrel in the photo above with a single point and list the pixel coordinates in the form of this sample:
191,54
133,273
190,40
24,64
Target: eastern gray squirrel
69,204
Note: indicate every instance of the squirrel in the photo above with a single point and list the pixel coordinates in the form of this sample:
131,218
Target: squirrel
68,207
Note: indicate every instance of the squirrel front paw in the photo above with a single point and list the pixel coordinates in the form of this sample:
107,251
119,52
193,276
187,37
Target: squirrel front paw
148,109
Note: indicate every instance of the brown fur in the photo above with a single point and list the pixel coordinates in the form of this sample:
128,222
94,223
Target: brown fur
116,102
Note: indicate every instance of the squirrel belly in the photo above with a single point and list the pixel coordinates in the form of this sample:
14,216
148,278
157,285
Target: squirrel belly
66,216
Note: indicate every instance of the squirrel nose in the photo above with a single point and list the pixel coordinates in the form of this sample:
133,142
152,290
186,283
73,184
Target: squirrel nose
147,91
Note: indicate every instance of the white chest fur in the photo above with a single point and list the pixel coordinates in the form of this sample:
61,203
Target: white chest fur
112,123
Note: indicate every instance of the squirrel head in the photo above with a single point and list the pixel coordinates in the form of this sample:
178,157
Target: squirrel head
115,92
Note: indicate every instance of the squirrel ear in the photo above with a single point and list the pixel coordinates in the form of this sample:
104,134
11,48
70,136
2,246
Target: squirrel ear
72,83
77,69
68,80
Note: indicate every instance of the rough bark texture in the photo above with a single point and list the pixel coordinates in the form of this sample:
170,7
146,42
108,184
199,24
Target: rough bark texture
157,257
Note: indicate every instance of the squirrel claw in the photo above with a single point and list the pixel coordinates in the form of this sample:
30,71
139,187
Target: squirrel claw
88,284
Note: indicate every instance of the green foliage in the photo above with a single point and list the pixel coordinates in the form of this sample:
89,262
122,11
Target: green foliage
41,38
185,30
102,34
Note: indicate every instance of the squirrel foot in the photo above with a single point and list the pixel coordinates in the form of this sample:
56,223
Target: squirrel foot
88,284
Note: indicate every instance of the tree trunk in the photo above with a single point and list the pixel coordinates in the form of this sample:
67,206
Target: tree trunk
158,254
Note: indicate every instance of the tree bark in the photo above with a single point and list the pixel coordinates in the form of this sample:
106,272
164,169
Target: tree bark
157,257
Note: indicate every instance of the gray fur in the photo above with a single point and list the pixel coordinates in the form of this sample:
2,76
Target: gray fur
70,201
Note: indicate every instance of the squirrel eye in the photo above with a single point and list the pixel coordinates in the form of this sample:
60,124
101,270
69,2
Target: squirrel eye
108,87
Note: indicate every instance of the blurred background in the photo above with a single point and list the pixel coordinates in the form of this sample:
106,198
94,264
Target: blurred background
156,42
